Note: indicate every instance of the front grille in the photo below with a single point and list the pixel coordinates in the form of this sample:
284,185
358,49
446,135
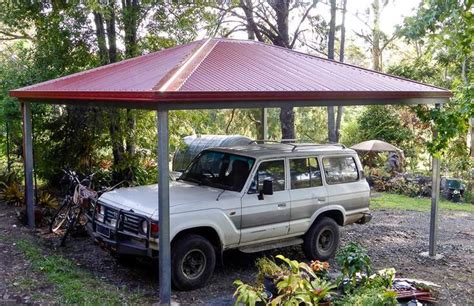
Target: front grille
110,215
131,223
123,220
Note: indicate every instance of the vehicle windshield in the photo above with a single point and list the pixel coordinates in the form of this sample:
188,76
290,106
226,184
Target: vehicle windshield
218,169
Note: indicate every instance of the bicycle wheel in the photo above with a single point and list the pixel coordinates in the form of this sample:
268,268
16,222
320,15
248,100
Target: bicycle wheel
60,216
73,216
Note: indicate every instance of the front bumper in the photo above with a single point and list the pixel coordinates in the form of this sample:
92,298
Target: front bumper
116,238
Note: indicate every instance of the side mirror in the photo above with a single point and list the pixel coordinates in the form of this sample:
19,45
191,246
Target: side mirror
267,189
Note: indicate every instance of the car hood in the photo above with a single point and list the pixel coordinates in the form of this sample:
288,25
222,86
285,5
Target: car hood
144,199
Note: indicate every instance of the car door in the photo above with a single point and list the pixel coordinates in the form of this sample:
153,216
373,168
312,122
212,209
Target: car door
307,192
267,217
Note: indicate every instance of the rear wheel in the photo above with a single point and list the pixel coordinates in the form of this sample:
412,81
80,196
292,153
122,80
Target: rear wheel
193,262
322,239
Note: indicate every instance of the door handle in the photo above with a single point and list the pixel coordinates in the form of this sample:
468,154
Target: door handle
321,199
281,205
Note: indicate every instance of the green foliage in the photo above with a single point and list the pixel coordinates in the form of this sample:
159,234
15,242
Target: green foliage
267,267
248,295
12,194
367,296
384,123
444,29
402,202
355,264
300,284
74,285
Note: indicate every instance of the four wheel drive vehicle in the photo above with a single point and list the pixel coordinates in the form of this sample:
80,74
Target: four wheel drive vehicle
252,198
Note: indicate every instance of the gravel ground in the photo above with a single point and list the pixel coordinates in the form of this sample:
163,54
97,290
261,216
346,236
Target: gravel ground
393,239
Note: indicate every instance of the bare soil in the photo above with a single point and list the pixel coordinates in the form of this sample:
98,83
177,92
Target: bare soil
393,239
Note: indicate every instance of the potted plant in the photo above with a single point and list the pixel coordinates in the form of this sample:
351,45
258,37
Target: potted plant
268,274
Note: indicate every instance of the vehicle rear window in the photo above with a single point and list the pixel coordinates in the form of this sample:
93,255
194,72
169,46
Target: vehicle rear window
340,169
305,173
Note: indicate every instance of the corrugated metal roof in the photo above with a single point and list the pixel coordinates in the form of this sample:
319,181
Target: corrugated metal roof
229,70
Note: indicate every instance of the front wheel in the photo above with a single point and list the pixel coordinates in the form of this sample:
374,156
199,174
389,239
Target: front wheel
322,239
60,217
193,262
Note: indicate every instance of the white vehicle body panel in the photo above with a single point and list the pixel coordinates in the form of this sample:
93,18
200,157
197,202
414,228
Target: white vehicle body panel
241,218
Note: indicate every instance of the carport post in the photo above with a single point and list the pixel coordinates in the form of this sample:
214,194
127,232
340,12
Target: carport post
435,189
164,209
28,163
264,124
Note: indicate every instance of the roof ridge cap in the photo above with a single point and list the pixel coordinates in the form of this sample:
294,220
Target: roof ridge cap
171,79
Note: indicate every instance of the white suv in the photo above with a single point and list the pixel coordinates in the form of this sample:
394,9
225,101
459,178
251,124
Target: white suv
252,198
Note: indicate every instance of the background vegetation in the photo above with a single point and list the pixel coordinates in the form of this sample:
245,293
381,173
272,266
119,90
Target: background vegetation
41,40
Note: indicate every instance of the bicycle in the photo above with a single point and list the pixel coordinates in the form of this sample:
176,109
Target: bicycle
71,212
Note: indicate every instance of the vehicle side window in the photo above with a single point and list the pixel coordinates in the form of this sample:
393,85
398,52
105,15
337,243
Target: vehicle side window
340,170
305,173
271,170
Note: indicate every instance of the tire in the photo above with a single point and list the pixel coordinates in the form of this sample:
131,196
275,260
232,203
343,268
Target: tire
190,253
322,239
59,219
74,215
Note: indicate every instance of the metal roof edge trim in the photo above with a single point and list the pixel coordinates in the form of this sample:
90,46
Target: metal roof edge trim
190,105
178,96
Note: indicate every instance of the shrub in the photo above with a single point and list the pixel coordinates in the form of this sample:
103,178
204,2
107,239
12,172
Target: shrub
355,265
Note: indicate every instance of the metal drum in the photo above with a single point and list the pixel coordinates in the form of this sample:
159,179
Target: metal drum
195,144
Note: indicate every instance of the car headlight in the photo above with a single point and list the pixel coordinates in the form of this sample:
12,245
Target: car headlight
99,212
145,227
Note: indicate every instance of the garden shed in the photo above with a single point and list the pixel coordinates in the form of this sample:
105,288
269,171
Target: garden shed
224,74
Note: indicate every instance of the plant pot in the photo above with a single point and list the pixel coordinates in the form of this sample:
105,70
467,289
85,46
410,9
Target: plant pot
325,303
270,286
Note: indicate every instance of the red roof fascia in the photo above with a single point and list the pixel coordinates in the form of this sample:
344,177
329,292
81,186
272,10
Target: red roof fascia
155,96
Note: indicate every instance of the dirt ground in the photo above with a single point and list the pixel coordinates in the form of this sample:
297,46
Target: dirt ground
393,239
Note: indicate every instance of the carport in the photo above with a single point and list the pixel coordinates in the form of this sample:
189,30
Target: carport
220,74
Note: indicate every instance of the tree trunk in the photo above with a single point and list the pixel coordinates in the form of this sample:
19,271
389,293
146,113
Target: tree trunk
7,130
332,135
287,114
376,51
131,127
130,17
340,109
111,34
100,33
472,136
287,122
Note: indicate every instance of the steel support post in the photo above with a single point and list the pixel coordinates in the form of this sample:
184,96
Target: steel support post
435,190
264,125
164,209
28,163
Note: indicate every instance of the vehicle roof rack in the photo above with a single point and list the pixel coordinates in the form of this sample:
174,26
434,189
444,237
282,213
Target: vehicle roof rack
292,143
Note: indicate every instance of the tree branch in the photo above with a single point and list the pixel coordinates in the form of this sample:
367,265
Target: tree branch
297,31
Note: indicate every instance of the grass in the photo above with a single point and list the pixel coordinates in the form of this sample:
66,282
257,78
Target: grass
401,202
74,285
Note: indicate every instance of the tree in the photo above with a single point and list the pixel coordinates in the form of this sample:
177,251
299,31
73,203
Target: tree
445,32
268,21
377,40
